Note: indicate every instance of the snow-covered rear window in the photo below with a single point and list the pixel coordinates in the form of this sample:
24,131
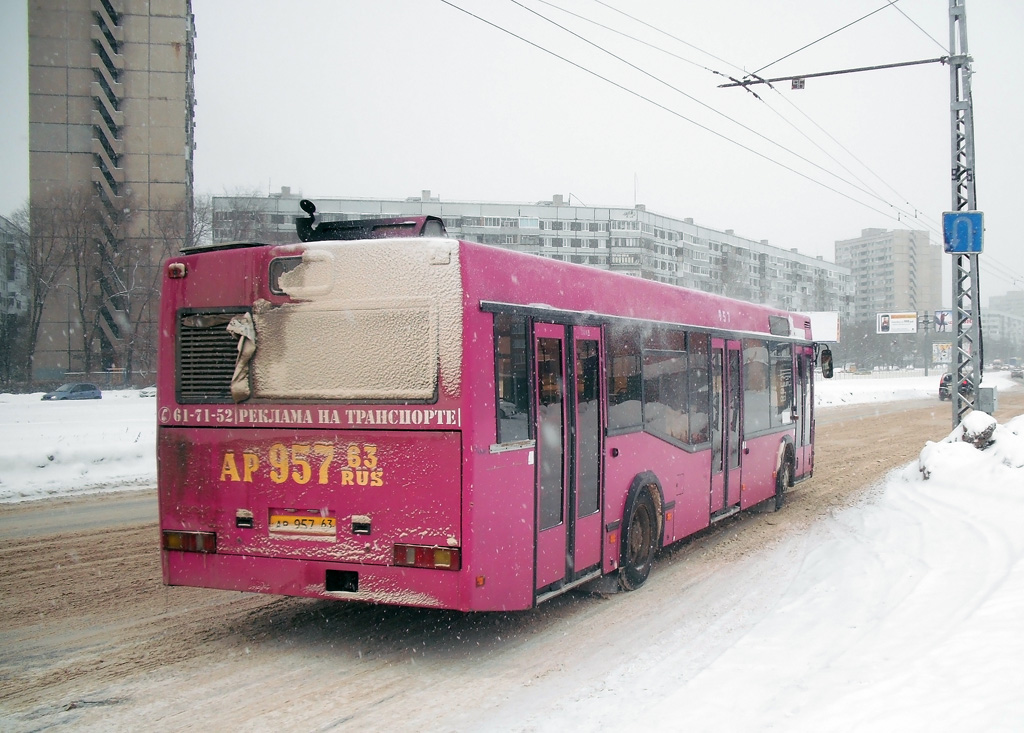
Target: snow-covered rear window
383,352
373,320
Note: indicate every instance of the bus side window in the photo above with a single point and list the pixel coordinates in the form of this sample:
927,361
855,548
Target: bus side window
700,394
511,378
781,383
625,378
756,400
665,404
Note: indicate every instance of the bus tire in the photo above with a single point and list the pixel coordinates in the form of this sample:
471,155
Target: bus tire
640,537
783,480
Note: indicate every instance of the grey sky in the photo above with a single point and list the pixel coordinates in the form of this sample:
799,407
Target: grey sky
385,98
14,108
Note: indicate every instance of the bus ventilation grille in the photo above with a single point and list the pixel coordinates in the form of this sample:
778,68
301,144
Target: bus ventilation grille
206,357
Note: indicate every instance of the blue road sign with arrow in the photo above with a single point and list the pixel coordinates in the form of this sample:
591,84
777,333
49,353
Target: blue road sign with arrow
963,232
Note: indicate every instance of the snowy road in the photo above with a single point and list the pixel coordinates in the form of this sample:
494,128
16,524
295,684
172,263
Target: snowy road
852,609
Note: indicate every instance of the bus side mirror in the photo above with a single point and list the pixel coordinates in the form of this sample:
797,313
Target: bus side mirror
826,363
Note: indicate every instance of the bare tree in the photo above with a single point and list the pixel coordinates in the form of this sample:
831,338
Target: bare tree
246,221
46,258
202,221
170,230
109,266
88,270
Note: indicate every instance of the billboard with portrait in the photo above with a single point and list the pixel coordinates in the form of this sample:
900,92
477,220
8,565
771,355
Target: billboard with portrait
886,323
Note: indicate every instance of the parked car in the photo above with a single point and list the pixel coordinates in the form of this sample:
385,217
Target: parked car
966,388
148,391
75,391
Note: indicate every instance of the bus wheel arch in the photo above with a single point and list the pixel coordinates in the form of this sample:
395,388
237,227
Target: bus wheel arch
785,471
643,529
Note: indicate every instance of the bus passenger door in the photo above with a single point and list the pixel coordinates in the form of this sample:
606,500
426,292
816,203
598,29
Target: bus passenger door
550,409
585,536
726,416
805,412
569,439
734,424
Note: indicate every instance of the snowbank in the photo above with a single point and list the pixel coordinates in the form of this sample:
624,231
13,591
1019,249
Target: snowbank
50,449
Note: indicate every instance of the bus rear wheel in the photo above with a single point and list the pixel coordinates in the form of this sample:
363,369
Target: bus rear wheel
639,541
783,480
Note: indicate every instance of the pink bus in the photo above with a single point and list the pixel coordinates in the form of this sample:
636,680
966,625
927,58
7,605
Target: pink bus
405,418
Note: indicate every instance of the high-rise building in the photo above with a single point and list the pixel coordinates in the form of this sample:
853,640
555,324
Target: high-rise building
1003,326
1011,302
1003,334
894,271
630,240
110,149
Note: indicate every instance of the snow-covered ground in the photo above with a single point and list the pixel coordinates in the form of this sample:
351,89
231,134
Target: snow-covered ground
60,448
900,613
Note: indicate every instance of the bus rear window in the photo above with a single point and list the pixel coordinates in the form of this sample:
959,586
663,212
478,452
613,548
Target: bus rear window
376,351
278,267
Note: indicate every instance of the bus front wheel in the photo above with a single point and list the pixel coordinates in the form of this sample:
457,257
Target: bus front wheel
639,541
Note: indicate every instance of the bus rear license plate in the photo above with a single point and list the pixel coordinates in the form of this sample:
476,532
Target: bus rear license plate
308,525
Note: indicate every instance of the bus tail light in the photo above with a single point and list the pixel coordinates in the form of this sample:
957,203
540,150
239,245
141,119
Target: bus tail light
435,558
190,541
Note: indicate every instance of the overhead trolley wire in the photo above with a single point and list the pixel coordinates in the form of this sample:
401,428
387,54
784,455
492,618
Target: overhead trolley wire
632,92
929,223
688,119
782,117
827,35
914,23
641,41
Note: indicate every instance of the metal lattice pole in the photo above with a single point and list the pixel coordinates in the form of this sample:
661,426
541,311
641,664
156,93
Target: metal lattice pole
967,358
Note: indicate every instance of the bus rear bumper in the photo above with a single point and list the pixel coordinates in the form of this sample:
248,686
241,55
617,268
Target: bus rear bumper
314,579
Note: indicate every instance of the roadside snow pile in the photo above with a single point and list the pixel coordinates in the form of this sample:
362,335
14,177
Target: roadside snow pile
859,389
76,447
978,450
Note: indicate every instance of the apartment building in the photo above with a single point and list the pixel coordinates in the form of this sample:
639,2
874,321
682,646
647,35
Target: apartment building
1011,303
111,132
893,271
13,272
630,240
14,293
